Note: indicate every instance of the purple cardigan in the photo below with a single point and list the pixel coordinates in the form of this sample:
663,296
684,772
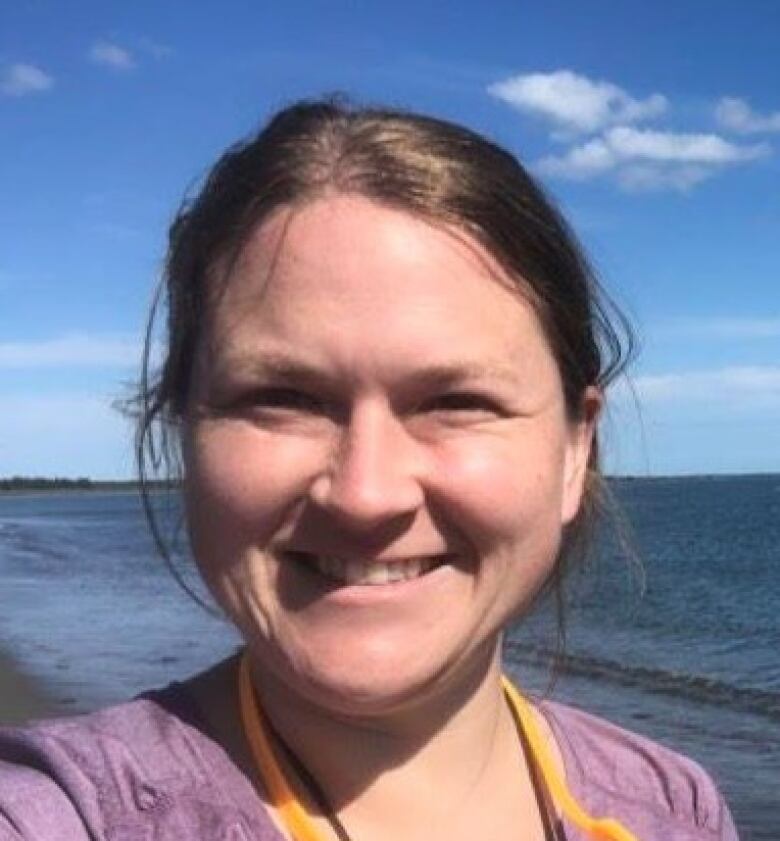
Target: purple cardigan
144,771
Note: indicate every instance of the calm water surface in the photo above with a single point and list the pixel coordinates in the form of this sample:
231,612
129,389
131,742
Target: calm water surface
691,658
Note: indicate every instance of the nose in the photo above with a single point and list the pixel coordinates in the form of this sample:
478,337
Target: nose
374,477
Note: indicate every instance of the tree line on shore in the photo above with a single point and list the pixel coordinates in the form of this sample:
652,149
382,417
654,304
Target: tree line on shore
57,483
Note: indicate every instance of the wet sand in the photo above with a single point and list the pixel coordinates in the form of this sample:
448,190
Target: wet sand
20,698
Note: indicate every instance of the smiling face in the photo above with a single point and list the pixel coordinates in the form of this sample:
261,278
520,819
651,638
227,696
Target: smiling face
378,455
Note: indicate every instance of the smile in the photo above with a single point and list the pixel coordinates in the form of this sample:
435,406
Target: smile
374,573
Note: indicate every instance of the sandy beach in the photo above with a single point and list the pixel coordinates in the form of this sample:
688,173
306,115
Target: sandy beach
20,698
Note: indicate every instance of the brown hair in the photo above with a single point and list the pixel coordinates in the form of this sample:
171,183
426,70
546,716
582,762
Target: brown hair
421,165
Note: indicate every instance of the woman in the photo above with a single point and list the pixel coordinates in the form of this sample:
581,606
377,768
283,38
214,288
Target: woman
385,367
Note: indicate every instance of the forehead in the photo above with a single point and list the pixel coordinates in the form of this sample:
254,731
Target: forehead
340,235
373,275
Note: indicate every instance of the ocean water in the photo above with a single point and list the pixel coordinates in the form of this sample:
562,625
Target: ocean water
684,648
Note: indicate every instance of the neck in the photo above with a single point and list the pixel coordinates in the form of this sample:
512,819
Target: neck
439,759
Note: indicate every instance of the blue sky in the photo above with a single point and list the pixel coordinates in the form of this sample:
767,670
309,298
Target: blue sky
655,126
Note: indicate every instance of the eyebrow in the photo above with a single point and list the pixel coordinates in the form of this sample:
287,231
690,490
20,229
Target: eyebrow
452,373
284,367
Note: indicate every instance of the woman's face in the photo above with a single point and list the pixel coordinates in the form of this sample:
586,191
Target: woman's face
378,457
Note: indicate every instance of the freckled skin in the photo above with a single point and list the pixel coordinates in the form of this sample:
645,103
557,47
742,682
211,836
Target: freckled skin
366,455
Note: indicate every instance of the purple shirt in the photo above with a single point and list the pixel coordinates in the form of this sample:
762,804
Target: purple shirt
144,770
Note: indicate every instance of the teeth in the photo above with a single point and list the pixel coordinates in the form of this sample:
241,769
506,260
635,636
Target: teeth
374,573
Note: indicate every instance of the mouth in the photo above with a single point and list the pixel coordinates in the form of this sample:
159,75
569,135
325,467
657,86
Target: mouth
369,573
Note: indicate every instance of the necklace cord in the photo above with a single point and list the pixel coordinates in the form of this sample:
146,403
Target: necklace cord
300,826
292,814
310,784
599,829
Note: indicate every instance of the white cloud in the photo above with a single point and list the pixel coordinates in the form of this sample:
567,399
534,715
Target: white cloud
684,148
696,421
580,162
73,350
24,79
730,388
63,434
111,55
640,178
575,103
737,115
720,328
643,159
636,159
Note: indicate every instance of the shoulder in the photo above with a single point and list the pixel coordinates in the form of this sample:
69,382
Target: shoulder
617,773
134,768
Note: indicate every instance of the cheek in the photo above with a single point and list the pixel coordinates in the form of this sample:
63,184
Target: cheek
505,491
241,487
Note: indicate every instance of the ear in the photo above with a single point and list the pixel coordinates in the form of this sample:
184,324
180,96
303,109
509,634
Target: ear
578,451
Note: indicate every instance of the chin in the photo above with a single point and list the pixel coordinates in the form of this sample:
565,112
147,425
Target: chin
381,679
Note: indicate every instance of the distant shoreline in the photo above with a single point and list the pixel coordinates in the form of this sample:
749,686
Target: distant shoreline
36,484
17,485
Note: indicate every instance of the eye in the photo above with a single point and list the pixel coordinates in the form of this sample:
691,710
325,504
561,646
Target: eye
277,400
286,398
465,404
